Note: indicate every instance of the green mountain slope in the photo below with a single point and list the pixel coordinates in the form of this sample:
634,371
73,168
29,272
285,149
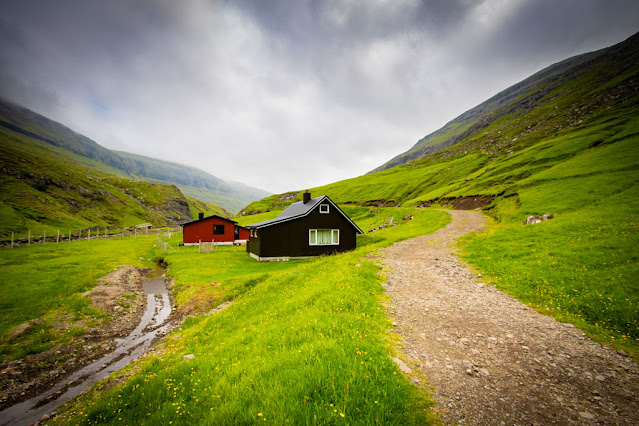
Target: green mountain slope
572,151
529,134
193,182
592,75
46,188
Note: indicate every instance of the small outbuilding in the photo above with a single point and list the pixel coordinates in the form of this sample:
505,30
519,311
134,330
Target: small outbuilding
309,228
217,229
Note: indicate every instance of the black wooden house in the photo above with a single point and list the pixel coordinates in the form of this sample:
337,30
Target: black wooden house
309,228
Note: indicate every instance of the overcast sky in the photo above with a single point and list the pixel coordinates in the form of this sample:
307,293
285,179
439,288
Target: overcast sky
283,94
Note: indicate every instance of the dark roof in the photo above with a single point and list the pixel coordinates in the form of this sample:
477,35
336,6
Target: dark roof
209,217
299,209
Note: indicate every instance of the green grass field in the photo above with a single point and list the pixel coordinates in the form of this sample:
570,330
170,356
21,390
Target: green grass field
303,342
46,281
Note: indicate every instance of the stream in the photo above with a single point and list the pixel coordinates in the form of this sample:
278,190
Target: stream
153,322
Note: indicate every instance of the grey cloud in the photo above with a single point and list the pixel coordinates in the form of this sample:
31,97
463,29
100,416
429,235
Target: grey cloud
280,86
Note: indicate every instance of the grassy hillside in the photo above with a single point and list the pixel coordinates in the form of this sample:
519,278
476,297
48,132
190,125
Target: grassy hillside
45,189
594,76
198,206
193,182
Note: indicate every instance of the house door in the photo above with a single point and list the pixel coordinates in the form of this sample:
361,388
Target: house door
237,232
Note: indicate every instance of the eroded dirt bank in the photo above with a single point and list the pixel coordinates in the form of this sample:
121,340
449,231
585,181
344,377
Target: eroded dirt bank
489,358
120,294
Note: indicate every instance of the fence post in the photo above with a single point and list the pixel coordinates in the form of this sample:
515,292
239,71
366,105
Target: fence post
44,237
11,239
89,237
69,235
136,233
79,234
57,240
29,238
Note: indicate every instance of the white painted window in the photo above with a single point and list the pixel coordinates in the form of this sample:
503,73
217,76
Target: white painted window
323,237
323,208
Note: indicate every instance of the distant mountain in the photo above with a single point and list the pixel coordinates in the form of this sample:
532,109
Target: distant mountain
591,74
231,196
193,182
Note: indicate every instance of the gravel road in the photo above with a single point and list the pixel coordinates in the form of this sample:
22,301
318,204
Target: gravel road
491,359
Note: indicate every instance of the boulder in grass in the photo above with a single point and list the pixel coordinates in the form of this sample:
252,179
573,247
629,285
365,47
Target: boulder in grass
538,219
25,328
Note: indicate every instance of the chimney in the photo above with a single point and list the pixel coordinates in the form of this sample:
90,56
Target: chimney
307,196
200,216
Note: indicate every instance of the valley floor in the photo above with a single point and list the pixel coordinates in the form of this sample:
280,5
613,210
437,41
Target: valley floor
490,358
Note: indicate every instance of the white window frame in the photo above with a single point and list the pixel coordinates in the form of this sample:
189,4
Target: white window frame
312,237
324,208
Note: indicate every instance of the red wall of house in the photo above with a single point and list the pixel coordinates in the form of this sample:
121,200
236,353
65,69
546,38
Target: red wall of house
203,231
244,234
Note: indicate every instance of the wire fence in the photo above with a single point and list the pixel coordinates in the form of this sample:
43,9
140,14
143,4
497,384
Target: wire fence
87,234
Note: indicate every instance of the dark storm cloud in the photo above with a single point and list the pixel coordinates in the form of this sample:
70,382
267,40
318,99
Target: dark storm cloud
282,85
550,30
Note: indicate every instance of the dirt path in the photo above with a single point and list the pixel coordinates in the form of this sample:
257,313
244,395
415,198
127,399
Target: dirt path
489,358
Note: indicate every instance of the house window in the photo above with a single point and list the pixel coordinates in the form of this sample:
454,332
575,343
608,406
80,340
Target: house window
218,229
323,237
323,208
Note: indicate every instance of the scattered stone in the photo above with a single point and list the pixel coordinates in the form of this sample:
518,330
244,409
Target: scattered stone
45,417
600,378
21,330
402,366
24,328
538,219
189,356
586,415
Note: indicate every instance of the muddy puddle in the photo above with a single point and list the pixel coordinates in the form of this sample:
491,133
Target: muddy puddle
153,323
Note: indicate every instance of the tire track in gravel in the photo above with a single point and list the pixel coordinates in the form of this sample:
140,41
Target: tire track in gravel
491,359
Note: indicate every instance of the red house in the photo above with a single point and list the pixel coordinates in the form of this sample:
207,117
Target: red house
215,229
